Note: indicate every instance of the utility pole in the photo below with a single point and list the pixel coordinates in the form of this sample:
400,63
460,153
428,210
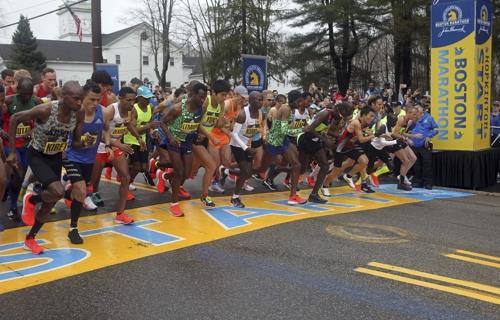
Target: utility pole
96,33
244,48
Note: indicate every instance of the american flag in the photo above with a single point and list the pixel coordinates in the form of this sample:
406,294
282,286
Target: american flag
78,23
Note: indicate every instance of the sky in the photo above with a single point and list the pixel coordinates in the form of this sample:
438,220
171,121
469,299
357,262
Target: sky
47,27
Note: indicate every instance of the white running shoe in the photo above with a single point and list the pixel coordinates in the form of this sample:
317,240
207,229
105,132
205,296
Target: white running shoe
215,187
88,204
248,187
131,187
325,192
349,181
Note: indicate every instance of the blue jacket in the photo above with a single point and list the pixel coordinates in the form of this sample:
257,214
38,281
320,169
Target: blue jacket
495,122
427,127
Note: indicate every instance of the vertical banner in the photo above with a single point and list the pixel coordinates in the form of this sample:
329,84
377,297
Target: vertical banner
254,72
461,77
112,70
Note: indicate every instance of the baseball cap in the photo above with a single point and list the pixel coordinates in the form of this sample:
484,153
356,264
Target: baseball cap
144,92
242,91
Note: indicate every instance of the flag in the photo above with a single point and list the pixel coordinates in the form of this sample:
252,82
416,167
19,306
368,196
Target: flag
78,23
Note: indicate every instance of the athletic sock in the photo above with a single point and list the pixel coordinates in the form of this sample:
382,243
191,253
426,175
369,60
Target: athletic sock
76,209
36,198
382,170
34,230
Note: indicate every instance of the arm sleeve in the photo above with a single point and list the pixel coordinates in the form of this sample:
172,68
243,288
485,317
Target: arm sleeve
235,134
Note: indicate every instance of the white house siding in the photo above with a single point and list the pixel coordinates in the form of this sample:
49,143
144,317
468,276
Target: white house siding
79,71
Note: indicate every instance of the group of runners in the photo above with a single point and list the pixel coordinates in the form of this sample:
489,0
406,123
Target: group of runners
60,140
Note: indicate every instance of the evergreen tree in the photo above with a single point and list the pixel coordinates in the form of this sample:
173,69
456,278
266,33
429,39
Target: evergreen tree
24,54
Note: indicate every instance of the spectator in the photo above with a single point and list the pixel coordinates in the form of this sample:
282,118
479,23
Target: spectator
372,91
425,129
8,81
495,125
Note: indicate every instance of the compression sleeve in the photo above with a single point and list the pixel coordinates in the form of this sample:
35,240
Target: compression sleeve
235,134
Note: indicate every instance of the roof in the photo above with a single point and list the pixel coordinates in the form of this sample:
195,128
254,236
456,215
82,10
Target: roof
57,50
194,62
110,37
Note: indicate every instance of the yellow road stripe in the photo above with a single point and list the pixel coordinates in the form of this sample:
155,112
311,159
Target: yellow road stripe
138,185
458,291
473,260
479,255
463,283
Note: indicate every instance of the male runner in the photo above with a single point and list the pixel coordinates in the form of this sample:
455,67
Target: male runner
49,82
103,79
54,122
180,124
8,81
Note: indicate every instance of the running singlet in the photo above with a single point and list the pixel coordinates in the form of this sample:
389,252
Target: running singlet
278,131
94,129
117,127
51,137
186,125
211,116
297,122
249,129
143,118
345,140
229,117
24,128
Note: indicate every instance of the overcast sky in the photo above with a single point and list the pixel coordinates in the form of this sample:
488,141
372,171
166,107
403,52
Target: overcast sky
114,13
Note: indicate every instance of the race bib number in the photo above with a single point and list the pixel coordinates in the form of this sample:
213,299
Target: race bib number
85,138
119,132
54,147
251,131
189,127
298,124
22,131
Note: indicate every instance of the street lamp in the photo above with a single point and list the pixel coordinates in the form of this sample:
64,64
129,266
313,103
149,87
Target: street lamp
143,36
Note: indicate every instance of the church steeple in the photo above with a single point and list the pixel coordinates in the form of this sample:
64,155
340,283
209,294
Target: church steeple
67,27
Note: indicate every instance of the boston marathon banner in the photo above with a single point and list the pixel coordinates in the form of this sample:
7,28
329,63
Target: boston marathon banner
254,72
461,73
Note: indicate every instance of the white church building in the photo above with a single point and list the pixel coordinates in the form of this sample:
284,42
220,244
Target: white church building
72,59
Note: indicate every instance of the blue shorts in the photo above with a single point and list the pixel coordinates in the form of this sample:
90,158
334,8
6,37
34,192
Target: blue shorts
184,148
22,156
276,150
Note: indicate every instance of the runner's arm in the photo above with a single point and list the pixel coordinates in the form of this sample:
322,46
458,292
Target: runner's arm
238,125
172,114
38,113
358,133
77,142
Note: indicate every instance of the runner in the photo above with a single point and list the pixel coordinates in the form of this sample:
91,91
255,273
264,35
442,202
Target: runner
180,124
103,79
246,126
211,118
81,155
49,82
8,81
22,101
55,121
141,117
278,144
118,115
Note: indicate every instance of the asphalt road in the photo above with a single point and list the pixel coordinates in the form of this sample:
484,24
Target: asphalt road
300,270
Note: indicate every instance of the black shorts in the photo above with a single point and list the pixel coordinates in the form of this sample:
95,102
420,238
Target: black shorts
138,155
257,143
293,140
77,171
353,154
308,143
201,141
240,154
46,168
374,154
396,147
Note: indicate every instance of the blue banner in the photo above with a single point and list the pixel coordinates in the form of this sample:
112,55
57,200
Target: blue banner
254,72
112,70
452,21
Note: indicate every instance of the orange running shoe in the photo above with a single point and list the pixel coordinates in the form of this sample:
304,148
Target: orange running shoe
123,218
28,213
160,181
130,196
296,199
175,210
311,181
374,180
31,245
183,193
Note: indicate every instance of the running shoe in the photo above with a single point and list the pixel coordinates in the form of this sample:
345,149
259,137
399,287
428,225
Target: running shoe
22,192
270,185
287,184
74,236
325,192
149,180
236,202
215,187
123,218
152,168
232,177
68,202
108,172
374,180
311,181
130,196
257,177
28,212
175,210
315,198
207,201
53,210
88,204
96,199
248,187
31,245
160,181
404,187
222,175
349,181
131,187
365,188
13,215
407,181
183,194
296,199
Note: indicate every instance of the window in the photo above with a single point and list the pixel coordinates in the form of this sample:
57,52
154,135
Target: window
105,60
117,59
172,61
60,83
168,84
145,60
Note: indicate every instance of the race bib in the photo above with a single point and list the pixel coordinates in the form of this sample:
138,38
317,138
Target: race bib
189,127
22,131
251,131
118,132
54,147
93,136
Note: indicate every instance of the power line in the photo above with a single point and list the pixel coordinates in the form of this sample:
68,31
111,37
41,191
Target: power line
31,7
44,14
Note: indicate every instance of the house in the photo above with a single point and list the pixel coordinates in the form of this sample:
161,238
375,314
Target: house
72,59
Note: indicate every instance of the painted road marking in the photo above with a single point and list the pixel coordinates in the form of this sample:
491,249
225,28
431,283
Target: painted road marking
138,185
468,289
156,231
464,255
371,233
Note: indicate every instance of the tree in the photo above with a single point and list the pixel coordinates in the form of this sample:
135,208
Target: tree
24,54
